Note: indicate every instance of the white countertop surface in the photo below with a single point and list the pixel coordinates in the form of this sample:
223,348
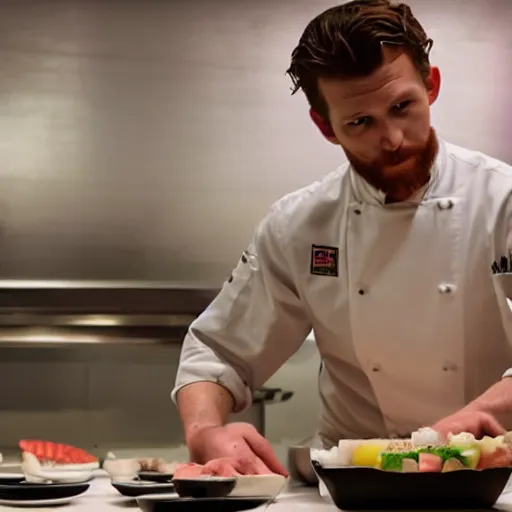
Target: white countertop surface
101,496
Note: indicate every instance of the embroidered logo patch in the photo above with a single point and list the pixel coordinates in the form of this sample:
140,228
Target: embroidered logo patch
502,266
324,260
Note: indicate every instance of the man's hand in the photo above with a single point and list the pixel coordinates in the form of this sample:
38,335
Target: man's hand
470,420
240,443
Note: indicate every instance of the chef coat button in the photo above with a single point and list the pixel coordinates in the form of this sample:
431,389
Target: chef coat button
357,211
361,291
445,204
446,288
376,368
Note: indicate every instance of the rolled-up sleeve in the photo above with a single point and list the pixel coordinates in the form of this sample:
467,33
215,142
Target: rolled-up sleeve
254,324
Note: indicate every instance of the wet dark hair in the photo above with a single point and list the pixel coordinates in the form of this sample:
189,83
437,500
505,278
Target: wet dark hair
346,42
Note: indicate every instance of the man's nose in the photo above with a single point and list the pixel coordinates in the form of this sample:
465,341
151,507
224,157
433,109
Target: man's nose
392,137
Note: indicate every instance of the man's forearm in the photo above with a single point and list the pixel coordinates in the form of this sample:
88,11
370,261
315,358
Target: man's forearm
497,400
202,405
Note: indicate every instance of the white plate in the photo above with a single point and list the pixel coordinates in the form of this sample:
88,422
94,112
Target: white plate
38,503
90,466
7,476
258,486
64,477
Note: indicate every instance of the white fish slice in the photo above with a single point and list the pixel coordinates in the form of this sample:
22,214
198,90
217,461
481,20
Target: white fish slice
33,471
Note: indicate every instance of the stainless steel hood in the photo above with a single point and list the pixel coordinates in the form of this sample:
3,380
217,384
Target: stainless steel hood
46,313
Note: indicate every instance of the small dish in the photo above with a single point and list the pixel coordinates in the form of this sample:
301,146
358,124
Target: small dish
365,488
37,503
122,469
87,466
141,487
264,486
155,476
36,492
204,487
168,503
34,472
11,478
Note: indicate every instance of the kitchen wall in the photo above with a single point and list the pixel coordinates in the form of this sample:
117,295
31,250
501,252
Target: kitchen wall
144,139
116,398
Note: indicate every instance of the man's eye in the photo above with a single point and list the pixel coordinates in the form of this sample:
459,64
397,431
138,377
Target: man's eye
401,106
362,121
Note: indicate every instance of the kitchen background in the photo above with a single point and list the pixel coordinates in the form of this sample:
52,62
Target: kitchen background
140,143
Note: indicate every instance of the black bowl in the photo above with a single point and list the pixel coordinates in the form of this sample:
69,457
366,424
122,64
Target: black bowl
154,476
357,488
11,479
207,487
134,489
156,504
35,491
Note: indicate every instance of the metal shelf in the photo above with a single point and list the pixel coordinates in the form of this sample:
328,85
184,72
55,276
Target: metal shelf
61,313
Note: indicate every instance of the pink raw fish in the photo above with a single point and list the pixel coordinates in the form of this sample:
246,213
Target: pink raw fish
430,463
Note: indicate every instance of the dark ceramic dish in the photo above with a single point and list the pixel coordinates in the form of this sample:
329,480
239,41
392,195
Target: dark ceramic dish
157,504
135,488
356,488
207,487
154,476
30,491
7,479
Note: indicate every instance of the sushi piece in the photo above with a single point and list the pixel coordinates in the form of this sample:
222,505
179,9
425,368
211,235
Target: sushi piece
367,453
330,457
453,465
57,453
494,453
430,462
394,461
410,466
462,440
345,449
427,436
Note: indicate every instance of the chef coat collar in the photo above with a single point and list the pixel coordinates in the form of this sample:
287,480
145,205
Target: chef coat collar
366,193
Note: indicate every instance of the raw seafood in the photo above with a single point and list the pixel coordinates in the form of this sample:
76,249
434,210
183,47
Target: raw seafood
457,452
426,436
58,453
217,467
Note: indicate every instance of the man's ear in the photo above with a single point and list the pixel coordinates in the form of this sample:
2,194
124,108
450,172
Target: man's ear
324,126
433,84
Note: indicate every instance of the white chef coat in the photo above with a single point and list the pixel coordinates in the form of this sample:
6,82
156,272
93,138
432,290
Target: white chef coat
412,323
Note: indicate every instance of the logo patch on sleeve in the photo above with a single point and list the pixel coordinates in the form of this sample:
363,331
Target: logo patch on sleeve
324,260
502,266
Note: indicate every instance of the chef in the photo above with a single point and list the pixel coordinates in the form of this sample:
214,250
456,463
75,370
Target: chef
399,261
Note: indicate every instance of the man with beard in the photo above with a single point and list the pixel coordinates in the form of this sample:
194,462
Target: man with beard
399,261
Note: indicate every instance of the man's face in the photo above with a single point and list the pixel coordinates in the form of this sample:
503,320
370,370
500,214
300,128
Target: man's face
382,122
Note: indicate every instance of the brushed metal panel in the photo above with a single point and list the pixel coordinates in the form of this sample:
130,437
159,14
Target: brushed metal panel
143,140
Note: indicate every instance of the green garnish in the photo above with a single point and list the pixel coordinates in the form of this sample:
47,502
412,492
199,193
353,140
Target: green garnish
445,452
392,461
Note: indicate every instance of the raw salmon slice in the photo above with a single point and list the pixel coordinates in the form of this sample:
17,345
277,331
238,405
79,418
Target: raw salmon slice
59,453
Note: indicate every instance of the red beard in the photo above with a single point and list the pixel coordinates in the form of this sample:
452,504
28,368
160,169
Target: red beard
399,174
